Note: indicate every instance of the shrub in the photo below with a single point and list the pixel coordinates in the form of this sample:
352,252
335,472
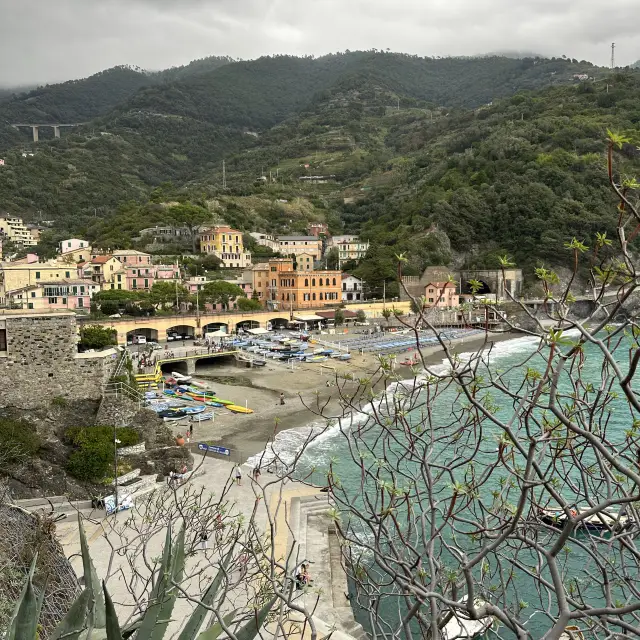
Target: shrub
18,439
95,336
93,457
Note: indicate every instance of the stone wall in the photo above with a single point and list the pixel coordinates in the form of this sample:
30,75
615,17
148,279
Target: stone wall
42,362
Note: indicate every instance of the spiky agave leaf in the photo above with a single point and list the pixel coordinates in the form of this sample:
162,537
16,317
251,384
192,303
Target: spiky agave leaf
97,615
250,630
215,630
24,623
113,626
190,630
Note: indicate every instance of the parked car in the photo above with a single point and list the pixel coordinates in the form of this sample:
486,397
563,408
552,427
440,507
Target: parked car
139,340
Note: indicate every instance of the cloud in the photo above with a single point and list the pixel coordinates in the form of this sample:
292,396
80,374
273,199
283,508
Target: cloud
54,41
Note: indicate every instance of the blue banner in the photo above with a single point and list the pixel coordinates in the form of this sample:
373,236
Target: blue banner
210,447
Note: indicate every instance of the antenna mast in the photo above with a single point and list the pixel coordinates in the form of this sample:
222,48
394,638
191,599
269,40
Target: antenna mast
613,55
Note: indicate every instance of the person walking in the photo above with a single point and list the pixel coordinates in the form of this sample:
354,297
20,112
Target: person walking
238,475
282,398
256,473
203,540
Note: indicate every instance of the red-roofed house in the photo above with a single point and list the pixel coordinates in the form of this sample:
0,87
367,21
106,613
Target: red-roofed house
441,295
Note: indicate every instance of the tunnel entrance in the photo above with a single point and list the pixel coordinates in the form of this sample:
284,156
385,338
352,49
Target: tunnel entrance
150,335
483,291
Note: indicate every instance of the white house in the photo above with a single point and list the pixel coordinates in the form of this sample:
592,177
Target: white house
351,288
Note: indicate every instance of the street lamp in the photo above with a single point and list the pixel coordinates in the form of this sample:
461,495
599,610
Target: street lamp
116,442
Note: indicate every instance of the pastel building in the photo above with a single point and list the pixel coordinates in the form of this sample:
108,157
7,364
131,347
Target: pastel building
349,247
55,295
351,288
21,274
278,286
441,295
129,257
143,277
226,244
105,270
296,245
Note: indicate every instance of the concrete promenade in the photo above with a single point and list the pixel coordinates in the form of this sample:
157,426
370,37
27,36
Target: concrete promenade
292,529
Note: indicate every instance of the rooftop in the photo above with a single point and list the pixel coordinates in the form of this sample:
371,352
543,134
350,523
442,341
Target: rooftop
313,238
129,252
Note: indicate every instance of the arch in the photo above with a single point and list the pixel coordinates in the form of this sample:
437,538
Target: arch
278,323
213,327
306,282
313,282
248,324
327,283
147,332
179,367
207,363
182,330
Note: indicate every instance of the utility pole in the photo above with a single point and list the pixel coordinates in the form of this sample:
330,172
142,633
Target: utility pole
224,174
613,55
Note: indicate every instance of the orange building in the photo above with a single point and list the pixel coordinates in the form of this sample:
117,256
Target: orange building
279,286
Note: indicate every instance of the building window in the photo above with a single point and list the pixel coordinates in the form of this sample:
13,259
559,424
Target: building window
64,301
314,296
37,275
33,294
334,282
53,300
306,282
80,302
430,299
3,339
119,286
320,296
146,284
67,274
313,284
30,305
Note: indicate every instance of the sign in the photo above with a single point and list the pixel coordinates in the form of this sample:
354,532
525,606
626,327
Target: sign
210,447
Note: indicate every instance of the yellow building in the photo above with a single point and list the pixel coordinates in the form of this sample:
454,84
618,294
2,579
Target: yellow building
107,271
227,244
305,262
21,275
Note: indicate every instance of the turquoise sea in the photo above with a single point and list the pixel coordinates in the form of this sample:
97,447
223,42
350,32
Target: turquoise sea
435,445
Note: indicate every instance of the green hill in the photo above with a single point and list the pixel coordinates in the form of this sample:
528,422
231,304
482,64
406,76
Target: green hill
422,162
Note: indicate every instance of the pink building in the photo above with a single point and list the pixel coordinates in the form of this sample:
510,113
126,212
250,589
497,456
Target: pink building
441,295
54,295
142,277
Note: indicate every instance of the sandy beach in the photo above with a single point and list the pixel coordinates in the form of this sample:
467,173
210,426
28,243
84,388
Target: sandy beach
304,386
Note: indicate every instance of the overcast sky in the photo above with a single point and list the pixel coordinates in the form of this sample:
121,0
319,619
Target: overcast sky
54,40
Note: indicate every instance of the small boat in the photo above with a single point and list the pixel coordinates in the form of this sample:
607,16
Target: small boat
191,411
316,359
238,409
172,414
221,401
202,417
180,378
344,357
214,404
259,363
598,522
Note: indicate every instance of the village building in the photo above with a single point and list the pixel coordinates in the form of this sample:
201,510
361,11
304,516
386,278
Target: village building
142,277
297,245
226,244
57,295
106,271
266,240
22,274
318,229
277,285
349,247
13,229
351,288
441,295
129,257
74,250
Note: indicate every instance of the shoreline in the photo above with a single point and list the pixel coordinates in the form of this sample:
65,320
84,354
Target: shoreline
259,389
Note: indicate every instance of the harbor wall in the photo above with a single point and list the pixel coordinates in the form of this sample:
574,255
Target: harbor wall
39,361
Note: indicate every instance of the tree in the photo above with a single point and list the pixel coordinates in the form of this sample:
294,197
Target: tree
109,307
248,304
386,314
221,292
338,317
361,316
164,294
333,258
191,217
95,336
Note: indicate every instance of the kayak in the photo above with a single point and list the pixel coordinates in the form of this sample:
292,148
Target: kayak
223,402
238,409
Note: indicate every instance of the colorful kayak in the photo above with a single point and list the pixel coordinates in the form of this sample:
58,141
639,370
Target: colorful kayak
220,401
238,409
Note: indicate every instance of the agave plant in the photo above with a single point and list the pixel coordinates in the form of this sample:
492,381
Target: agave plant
93,617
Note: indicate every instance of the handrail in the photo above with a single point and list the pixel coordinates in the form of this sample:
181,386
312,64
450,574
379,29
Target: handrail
122,389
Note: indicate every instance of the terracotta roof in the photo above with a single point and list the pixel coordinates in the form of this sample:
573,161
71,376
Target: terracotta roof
101,259
441,285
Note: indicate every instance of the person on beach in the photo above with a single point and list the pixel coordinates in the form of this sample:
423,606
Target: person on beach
238,475
282,398
256,473
203,540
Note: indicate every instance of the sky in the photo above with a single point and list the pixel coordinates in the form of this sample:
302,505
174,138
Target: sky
56,40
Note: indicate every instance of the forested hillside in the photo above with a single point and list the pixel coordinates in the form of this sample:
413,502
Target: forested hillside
416,169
